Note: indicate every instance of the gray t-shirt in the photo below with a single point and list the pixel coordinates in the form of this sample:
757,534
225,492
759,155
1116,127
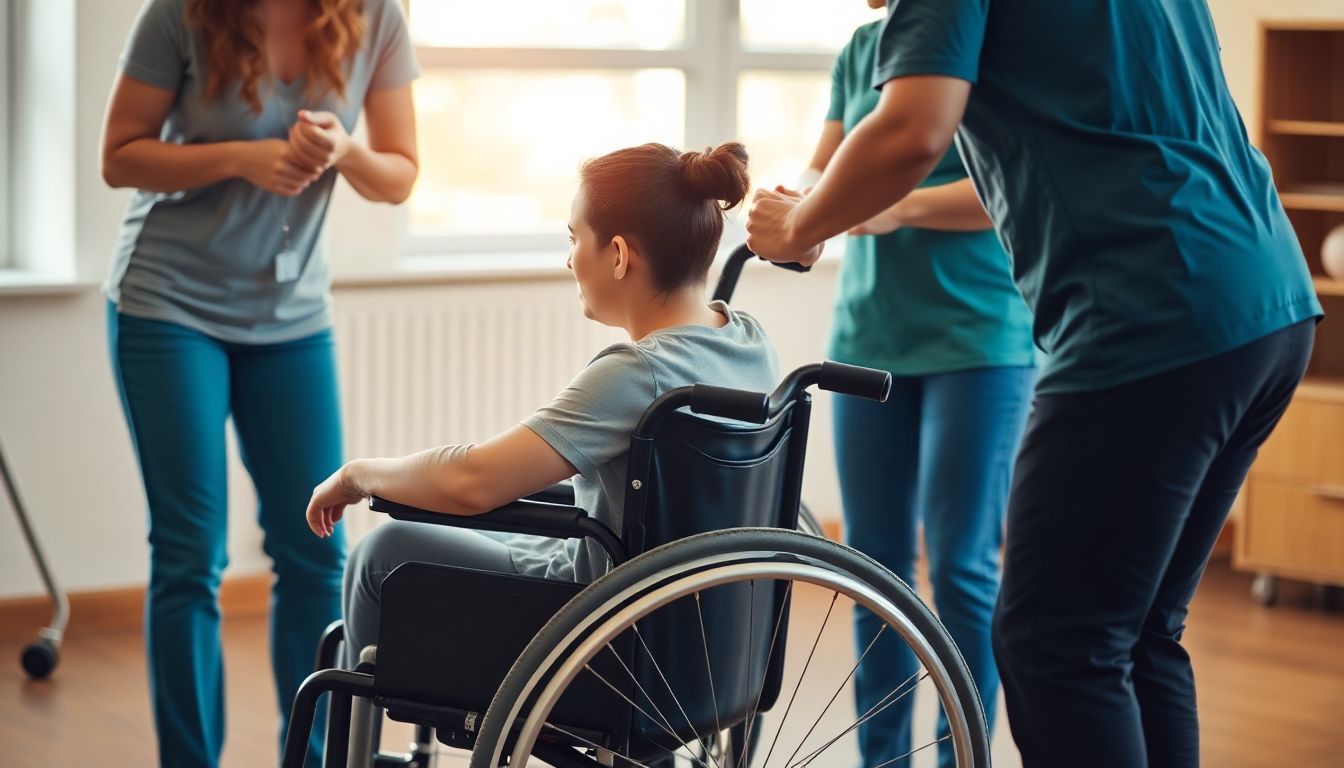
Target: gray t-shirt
206,258
590,422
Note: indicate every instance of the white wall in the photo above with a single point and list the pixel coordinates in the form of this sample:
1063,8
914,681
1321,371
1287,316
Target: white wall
60,421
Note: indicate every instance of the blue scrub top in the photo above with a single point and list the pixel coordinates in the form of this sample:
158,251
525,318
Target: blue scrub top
1144,228
919,302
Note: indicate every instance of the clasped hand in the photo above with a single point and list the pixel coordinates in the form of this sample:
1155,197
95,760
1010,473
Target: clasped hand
317,142
770,227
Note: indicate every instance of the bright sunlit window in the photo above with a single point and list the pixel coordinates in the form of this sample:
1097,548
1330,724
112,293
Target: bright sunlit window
515,95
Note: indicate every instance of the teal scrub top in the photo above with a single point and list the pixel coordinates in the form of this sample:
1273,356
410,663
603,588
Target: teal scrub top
920,301
1145,230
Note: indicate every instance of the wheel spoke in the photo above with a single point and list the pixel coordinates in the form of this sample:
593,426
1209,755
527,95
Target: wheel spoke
667,724
709,670
769,656
815,642
885,763
638,635
835,695
873,711
592,744
636,707
746,683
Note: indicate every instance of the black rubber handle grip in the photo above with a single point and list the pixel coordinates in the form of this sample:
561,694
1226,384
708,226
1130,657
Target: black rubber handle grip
792,266
855,380
737,404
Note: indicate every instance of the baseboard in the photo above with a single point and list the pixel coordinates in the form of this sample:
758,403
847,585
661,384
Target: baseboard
120,610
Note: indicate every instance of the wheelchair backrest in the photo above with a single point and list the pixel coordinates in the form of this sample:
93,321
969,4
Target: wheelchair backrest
703,475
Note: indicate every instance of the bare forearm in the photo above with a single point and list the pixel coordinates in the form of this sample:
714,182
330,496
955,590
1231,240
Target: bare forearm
949,207
383,177
880,161
435,479
160,166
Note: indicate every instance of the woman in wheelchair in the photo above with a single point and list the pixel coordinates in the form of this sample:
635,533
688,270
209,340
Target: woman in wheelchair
645,226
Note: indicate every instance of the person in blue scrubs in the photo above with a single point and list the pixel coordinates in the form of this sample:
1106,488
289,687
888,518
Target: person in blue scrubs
925,292
1169,292
219,306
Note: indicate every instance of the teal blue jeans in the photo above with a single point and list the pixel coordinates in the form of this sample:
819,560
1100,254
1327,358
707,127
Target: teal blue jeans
178,389
937,454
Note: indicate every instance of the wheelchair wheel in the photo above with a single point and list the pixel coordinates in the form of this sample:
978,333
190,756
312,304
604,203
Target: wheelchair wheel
801,730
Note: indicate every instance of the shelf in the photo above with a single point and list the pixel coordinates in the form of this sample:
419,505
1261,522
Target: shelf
1313,197
1328,286
1306,128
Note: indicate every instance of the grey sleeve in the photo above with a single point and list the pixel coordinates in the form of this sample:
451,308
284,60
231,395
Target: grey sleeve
590,422
156,50
393,55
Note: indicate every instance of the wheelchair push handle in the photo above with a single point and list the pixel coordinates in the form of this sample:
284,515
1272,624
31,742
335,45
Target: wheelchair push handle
855,380
732,270
736,404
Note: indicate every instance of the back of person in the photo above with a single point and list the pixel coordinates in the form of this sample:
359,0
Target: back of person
591,421
1145,230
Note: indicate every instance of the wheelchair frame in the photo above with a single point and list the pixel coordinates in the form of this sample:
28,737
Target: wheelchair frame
551,513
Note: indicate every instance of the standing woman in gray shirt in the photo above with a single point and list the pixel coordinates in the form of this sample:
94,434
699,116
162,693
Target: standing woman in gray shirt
231,119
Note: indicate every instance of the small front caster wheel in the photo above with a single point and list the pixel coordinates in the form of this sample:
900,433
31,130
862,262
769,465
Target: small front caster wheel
39,658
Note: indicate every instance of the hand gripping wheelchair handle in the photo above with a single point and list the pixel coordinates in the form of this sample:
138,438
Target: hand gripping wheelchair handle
855,380
736,404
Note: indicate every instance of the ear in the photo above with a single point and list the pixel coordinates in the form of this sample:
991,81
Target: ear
621,264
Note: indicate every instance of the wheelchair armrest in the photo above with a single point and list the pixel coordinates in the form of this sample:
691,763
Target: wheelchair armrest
537,518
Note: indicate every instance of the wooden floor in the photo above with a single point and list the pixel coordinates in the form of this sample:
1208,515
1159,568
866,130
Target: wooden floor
1271,690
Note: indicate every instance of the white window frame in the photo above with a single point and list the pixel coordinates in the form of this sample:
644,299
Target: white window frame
712,58
6,146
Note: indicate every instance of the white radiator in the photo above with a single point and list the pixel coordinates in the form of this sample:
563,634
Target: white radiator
431,365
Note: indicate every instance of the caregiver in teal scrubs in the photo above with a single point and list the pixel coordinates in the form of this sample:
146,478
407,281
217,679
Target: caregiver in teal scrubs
928,296
231,120
1168,291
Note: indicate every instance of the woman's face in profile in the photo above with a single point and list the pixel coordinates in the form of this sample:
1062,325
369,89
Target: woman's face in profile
587,260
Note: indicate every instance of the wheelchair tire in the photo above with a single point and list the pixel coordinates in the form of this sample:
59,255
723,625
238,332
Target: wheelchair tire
614,602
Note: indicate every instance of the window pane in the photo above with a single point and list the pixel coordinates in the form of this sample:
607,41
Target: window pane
806,25
500,149
779,118
654,24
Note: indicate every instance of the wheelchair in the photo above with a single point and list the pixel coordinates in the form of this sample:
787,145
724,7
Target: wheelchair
680,653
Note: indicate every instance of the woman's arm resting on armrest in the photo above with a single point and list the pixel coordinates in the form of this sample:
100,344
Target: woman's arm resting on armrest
455,480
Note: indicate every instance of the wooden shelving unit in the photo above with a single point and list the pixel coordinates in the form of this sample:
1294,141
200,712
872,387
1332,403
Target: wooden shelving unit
1292,518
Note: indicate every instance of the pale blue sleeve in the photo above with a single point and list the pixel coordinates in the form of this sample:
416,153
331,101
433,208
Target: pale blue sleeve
590,422
931,37
156,49
394,59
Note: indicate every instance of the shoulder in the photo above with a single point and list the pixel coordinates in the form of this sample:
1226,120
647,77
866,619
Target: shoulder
624,364
165,13
863,39
749,326
385,17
